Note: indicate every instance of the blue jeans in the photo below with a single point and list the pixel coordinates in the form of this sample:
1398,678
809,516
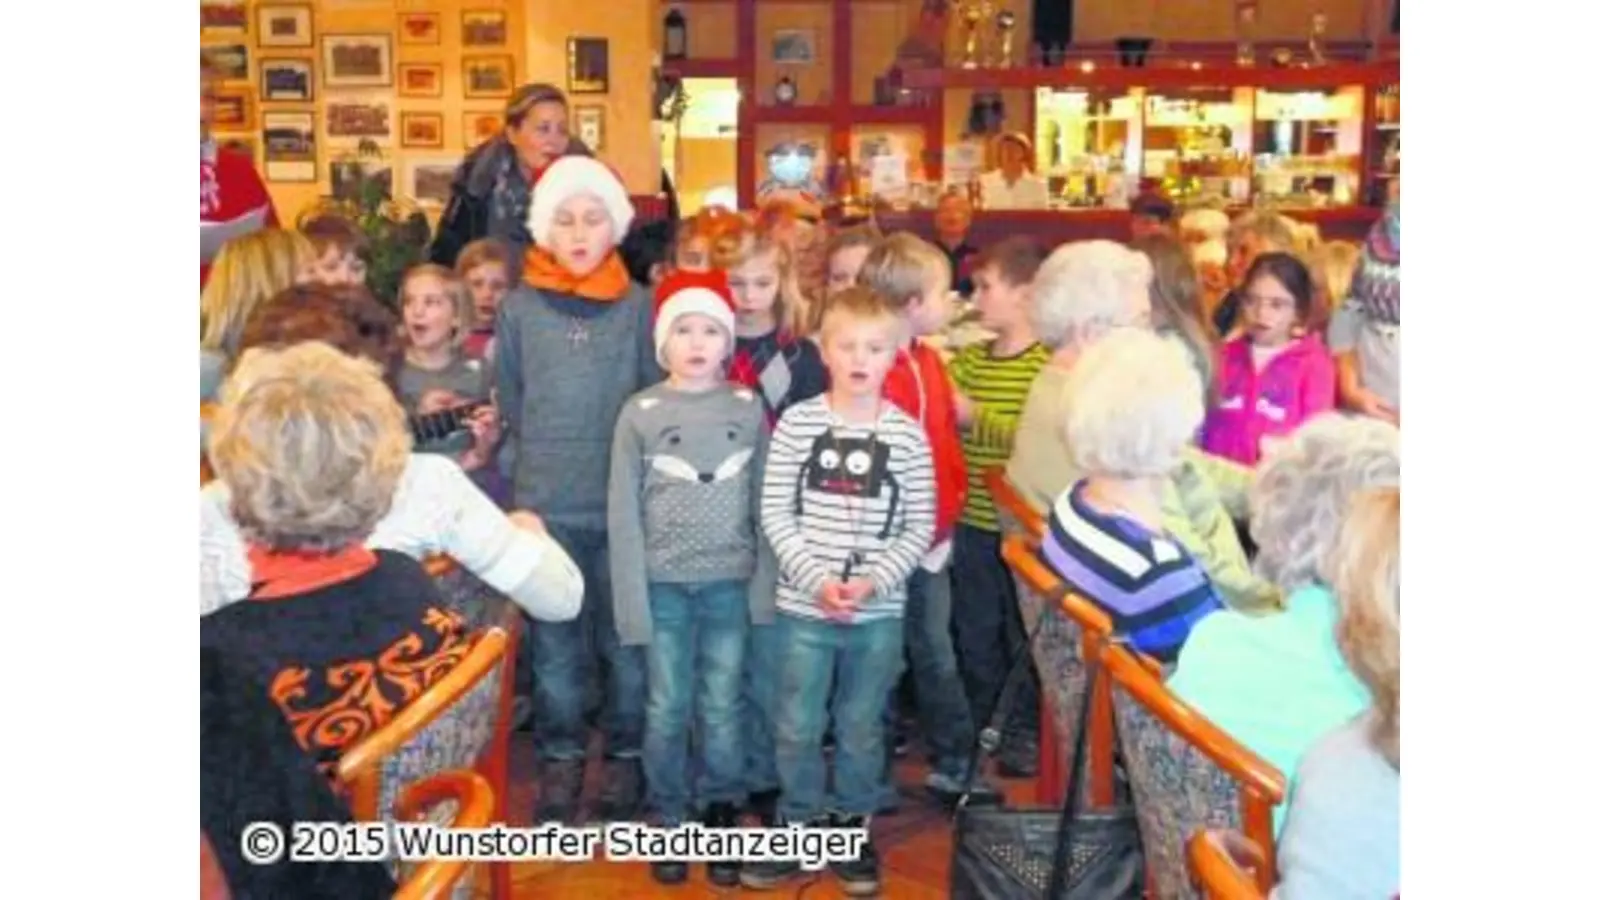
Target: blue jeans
696,655
562,654
860,662
942,710
758,706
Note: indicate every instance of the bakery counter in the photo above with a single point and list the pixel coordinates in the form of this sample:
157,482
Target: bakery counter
1052,227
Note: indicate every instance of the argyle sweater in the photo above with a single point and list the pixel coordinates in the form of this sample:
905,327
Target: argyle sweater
782,370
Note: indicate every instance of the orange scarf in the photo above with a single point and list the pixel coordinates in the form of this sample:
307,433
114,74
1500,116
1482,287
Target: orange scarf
275,574
606,284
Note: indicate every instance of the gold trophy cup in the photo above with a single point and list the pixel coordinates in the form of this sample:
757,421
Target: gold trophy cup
1006,25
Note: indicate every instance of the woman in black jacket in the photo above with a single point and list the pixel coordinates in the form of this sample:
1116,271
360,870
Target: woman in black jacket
490,193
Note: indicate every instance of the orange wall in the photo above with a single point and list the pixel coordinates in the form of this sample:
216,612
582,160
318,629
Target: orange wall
537,31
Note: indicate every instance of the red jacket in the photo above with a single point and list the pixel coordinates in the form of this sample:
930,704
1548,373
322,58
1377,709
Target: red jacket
920,386
230,188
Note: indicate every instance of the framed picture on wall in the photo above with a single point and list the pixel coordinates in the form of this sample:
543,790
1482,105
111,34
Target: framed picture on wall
359,119
224,17
289,142
427,180
483,28
232,61
478,126
419,28
588,66
794,47
283,25
421,129
234,110
421,80
357,60
486,76
589,124
286,80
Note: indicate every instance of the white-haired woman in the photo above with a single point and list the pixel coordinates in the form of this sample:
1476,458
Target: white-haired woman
311,444
1082,292
1277,683
1342,837
1133,402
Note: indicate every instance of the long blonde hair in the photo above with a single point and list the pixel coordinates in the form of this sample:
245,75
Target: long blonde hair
1333,267
1366,579
1175,302
249,270
758,239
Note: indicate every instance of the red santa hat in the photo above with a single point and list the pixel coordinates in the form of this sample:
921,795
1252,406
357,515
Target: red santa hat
568,177
685,293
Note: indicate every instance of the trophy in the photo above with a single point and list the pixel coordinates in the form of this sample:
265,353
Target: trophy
1006,25
1245,25
971,17
1319,31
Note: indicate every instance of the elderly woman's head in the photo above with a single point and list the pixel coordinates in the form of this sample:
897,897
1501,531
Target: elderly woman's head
1086,288
1131,403
1303,490
311,444
1366,579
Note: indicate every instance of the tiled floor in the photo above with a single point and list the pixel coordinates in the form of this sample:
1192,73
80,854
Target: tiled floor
914,845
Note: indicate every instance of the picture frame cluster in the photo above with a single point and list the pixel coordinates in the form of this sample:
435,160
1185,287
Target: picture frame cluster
285,84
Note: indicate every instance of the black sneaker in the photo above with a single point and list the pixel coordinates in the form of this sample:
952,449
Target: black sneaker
674,872
763,805
859,876
768,874
621,790
560,788
1019,757
723,872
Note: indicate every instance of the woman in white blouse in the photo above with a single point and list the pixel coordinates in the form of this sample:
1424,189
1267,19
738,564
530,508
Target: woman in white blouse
1013,184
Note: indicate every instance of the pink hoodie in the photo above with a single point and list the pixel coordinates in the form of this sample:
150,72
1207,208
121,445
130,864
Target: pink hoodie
1296,385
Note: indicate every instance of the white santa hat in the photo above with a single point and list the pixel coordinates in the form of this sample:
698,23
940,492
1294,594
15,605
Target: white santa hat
568,177
692,293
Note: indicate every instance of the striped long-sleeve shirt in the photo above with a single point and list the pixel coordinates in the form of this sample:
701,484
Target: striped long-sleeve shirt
997,387
836,493
1151,587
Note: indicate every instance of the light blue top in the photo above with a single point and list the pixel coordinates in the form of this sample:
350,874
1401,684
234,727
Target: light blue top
1276,683
211,365
1343,835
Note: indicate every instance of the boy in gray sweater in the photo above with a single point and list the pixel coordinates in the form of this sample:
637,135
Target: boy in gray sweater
572,345
685,463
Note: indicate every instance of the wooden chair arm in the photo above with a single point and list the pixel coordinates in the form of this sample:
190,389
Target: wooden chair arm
436,877
1216,870
1241,763
1023,557
416,715
1007,497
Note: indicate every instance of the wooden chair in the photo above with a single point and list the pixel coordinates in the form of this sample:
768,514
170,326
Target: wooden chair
475,803
1016,514
1216,874
455,724
1186,774
1062,644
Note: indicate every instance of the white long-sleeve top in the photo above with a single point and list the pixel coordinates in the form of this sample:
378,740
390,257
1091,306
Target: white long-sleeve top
437,509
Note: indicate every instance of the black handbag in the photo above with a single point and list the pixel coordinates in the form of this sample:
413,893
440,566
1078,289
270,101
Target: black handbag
1040,853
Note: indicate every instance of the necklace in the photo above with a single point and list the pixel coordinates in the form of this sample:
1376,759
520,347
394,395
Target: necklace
577,333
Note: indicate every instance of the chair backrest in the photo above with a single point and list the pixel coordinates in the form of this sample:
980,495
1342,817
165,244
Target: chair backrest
1062,644
1186,774
1016,514
474,802
448,726
1216,874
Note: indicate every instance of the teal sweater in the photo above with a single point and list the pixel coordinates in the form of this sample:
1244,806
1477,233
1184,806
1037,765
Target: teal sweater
564,366
1277,683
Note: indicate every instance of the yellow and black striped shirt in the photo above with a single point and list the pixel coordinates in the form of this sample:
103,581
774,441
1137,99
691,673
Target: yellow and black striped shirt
997,387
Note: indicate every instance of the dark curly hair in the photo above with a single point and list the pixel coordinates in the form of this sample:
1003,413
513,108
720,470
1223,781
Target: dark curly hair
349,318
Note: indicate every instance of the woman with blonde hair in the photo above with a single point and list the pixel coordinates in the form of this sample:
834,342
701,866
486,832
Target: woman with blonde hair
1175,310
1333,266
1343,833
248,271
1279,682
